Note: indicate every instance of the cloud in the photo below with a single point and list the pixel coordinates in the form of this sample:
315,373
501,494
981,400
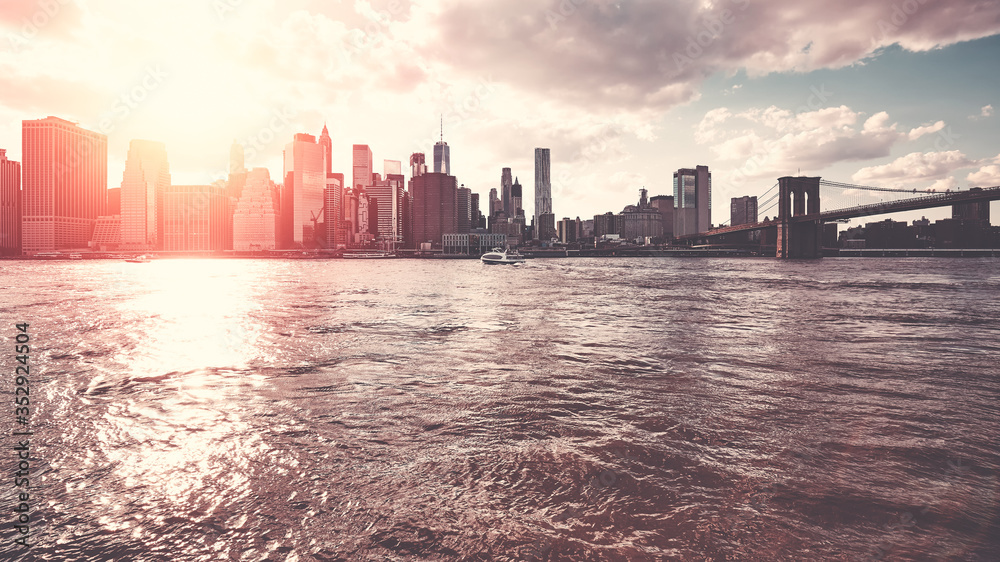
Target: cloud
925,130
769,142
945,184
916,166
987,176
984,113
603,54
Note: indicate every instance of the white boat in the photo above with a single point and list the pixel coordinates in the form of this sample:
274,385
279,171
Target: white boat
496,256
138,259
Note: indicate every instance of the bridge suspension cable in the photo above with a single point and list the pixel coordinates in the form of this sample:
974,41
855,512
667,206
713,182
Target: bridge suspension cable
871,188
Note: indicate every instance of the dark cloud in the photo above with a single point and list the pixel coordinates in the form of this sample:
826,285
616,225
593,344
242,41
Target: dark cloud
649,53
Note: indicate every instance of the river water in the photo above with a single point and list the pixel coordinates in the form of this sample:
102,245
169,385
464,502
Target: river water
567,409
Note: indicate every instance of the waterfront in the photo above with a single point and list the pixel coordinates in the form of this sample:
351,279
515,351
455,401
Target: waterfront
571,409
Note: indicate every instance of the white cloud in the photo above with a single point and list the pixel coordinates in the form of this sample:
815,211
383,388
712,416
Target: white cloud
925,130
984,113
916,166
769,142
986,176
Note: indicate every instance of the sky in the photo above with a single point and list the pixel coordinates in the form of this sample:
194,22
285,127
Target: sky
895,94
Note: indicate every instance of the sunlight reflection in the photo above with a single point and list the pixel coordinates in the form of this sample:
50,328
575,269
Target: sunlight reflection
195,314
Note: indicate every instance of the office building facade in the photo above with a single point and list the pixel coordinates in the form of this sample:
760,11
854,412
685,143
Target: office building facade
543,194
10,206
256,217
692,200
194,218
146,177
435,207
64,184
743,210
302,196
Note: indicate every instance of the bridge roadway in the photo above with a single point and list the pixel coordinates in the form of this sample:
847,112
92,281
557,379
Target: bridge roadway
925,202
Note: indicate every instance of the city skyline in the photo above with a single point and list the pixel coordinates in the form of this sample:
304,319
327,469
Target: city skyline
861,105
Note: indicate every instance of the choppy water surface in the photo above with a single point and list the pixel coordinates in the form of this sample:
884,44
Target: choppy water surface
617,409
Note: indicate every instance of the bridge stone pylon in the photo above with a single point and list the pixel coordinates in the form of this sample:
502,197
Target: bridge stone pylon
799,236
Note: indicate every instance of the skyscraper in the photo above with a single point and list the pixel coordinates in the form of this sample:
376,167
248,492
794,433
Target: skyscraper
516,207
476,213
506,182
327,143
435,206
692,200
386,197
146,176
194,218
464,209
392,167
333,211
442,154
362,165
543,194
10,206
302,198
237,171
65,189
255,220
418,166
743,210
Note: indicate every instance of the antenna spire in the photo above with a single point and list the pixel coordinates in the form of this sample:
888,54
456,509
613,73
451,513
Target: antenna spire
442,127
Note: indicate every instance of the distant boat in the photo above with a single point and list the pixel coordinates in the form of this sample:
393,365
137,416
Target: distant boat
369,255
139,259
75,257
502,257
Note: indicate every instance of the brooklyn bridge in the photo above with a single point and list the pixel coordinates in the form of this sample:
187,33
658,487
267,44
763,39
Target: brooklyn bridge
796,230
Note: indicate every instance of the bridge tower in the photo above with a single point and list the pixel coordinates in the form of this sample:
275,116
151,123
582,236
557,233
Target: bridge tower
799,236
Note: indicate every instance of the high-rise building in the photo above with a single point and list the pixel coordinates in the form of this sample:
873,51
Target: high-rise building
516,205
477,215
496,205
302,198
743,210
386,198
407,220
442,158
327,143
464,209
237,171
10,206
543,194
65,184
692,200
333,211
435,206
607,224
506,182
665,205
567,230
194,218
363,234
392,168
255,219
418,166
362,166
146,176
546,227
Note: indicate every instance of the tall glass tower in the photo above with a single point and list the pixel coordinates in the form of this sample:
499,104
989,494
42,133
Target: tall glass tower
543,186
